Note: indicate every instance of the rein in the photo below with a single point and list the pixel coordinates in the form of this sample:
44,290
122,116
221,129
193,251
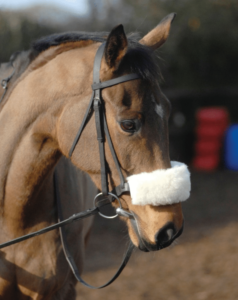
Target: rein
105,197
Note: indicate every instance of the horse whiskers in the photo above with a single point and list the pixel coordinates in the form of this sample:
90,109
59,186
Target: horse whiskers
174,243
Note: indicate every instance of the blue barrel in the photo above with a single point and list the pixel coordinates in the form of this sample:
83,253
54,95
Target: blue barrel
231,148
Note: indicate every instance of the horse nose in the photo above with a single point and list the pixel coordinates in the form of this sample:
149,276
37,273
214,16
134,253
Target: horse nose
165,235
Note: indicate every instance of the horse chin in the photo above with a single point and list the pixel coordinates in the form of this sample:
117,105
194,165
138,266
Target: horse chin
148,247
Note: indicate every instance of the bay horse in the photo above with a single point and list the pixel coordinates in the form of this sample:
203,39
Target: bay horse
39,118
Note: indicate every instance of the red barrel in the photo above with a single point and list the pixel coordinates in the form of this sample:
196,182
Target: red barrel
212,123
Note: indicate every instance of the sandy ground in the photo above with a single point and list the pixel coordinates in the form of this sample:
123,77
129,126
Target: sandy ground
202,266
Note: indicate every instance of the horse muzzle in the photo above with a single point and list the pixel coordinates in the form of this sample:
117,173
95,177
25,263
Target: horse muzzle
163,238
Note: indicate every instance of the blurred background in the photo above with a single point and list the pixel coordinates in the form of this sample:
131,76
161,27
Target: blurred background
199,64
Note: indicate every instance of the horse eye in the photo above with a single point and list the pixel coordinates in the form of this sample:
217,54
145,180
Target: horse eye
129,126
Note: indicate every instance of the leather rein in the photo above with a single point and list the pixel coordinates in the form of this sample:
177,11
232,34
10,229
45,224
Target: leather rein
105,197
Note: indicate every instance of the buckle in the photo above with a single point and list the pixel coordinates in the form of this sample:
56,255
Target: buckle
4,84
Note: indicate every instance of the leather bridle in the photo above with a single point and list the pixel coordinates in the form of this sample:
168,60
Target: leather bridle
101,123
105,197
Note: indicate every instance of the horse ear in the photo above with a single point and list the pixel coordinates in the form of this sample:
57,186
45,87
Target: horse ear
116,46
157,36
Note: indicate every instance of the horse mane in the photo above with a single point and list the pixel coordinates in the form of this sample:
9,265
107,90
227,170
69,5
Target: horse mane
138,59
57,39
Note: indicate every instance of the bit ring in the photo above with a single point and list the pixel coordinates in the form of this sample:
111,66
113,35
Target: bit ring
101,214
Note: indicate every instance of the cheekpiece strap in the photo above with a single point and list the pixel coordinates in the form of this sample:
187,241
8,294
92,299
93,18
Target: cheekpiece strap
96,69
98,110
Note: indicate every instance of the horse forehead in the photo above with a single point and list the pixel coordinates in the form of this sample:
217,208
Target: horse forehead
138,97
144,101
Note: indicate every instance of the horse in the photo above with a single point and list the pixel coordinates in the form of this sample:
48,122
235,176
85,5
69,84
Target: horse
39,117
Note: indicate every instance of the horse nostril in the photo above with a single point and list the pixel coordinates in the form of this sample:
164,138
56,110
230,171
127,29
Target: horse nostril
165,234
170,233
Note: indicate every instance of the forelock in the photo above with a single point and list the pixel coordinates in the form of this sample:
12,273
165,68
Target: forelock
139,59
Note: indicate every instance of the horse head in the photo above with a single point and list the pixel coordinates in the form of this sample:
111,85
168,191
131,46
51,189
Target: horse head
137,114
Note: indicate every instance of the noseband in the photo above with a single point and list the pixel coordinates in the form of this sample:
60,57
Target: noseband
105,197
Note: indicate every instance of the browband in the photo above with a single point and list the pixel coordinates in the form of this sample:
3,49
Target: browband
115,81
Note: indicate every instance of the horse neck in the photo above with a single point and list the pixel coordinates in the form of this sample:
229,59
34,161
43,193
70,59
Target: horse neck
28,121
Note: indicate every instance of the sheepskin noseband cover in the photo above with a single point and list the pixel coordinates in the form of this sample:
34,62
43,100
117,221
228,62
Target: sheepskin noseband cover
161,187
